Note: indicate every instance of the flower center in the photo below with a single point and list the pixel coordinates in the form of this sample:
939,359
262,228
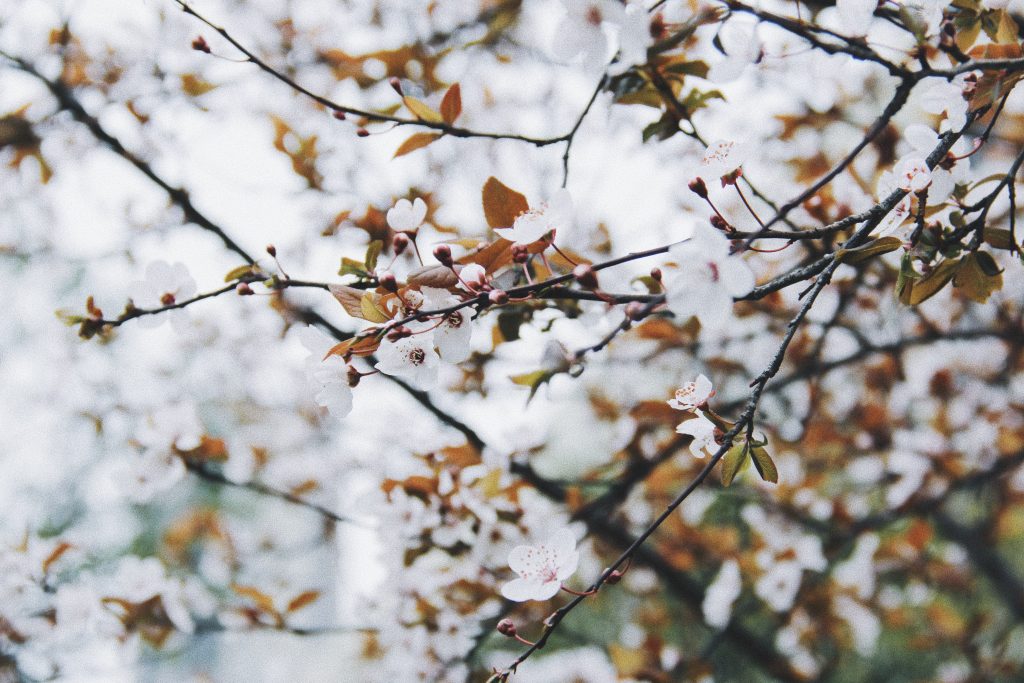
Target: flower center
167,299
713,267
417,356
594,16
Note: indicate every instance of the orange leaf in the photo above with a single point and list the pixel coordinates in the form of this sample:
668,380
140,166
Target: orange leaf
422,110
356,346
502,204
451,105
415,142
61,548
302,599
350,299
262,600
492,257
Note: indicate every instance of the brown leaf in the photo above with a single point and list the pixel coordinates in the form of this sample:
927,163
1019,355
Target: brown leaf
302,600
55,555
930,285
350,299
492,257
437,276
451,105
356,346
414,142
502,204
975,277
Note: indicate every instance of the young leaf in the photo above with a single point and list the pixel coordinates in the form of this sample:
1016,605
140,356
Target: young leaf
414,142
302,600
262,600
764,464
733,461
350,299
882,245
422,110
978,276
371,309
372,252
241,271
534,380
451,105
502,204
930,285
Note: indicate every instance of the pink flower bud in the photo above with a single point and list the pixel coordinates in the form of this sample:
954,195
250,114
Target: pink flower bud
507,628
443,254
362,132
520,254
656,274
396,85
398,243
272,250
635,310
388,282
498,297
339,114
353,377
200,45
243,289
698,187
614,577
400,332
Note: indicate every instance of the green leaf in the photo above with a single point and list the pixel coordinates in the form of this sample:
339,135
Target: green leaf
733,462
764,464
349,266
883,245
534,380
372,252
241,271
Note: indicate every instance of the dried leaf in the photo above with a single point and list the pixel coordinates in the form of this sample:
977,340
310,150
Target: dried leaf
883,245
194,86
930,285
978,276
55,555
451,105
356,346
492,257
350,299
437,276
414,142
303,599
502,204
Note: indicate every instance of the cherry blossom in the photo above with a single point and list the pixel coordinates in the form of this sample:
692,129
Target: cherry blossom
926,13
949,173
912,174
328,376
693,394
534,224
581,31
165,284
406,216
140,478
634,38
542,568
855,15
708,279
721,594
946,98
452,333
703,432
742,48
721,158
411,357
472,277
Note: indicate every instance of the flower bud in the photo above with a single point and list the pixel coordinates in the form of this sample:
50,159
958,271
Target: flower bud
339,114
443,254
656,274
272,250
200,45
614,577
635,310
585,275
399,242
362,132
507,628
718,223
243,289
396,85
698,187
520,254
387,281
498,297
400,332
353,377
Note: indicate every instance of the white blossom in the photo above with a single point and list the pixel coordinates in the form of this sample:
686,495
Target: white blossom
742,48
406,216
164,285
453,331
708,279
542,568
411,357
328,376
721,594
722,157
693,394
855,15
703,432
535,223
946,98
912,174
581,31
